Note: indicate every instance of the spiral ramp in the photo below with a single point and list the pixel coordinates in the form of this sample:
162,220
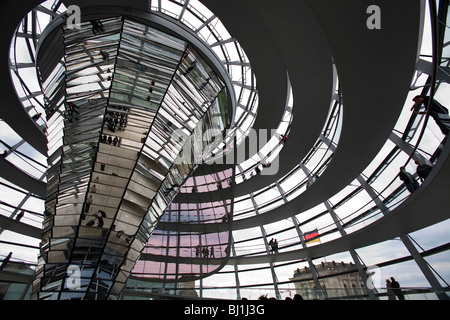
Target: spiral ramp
345,87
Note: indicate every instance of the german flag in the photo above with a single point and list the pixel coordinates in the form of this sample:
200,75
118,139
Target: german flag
311,236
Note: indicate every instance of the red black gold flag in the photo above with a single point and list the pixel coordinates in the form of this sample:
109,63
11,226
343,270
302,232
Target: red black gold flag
312,236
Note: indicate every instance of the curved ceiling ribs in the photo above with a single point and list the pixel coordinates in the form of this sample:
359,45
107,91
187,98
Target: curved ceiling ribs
372,102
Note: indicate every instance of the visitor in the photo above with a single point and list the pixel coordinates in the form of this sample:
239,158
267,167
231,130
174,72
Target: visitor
396,288
204,84
122,233
105,55
275,246
390,291
20,215
88,204
297,297
189,70
273,243
197,251
409,181
97,26
205,252
437,111
422,170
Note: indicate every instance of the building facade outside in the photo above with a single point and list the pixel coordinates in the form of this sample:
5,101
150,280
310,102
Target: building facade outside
337,280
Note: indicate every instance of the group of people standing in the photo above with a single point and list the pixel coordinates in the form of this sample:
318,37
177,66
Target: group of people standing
205,252
411,184
273,244
117,119
440,115
393,289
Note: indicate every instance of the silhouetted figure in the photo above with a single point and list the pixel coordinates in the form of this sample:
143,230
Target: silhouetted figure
437,111
422,170
297,297
390,291
100,222
97,26
20,215
189,70
105,55
102,213
275,246
204,84
185,55
409,181
91,222
396,288
273,243
205,252
121,233
197,251
168,190
88,204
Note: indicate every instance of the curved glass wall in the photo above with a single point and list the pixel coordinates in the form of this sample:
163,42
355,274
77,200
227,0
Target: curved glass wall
374,194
